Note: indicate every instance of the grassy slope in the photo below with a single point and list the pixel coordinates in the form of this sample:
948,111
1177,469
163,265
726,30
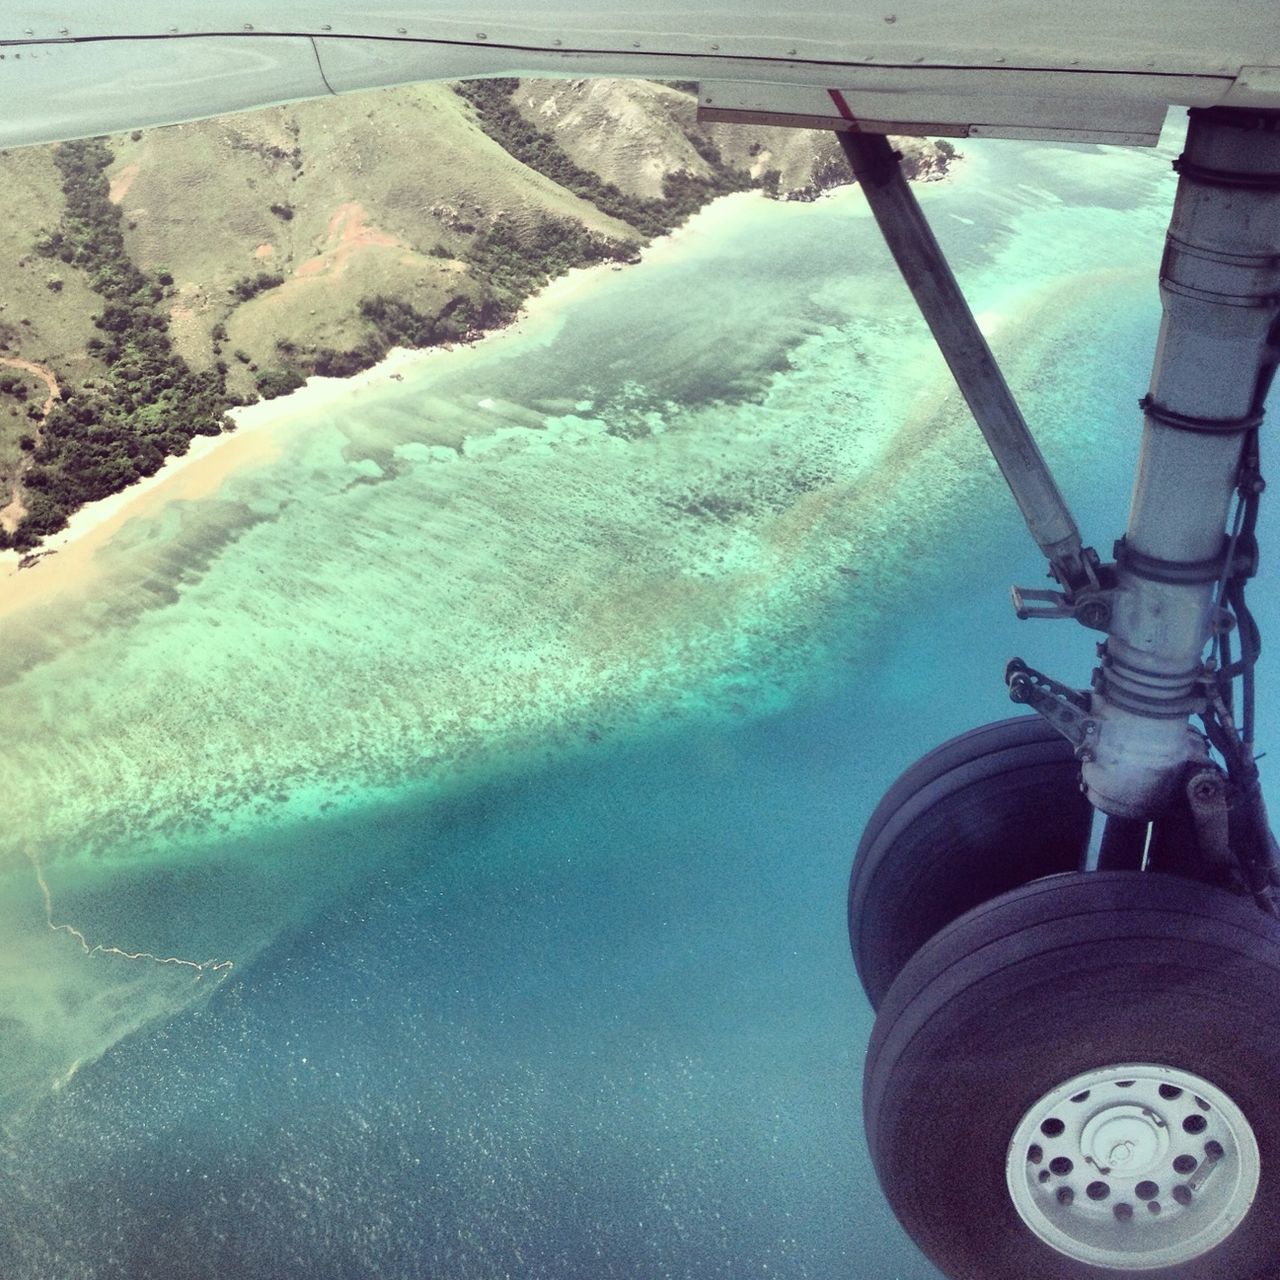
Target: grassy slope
379,184
388,193
635,133
632,133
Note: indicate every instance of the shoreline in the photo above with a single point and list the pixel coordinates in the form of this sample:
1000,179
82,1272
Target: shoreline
209,460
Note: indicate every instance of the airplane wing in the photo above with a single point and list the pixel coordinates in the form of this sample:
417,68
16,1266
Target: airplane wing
1092,70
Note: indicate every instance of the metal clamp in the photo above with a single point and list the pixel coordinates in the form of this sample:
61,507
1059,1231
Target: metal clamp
1091,609
1068,710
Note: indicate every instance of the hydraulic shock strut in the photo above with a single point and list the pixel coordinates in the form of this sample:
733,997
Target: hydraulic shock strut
1178,567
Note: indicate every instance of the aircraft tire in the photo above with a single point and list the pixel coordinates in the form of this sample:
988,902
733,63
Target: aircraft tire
979,815
1061,1059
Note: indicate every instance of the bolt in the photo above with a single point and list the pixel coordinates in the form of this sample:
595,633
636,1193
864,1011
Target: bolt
1205,791
1094,614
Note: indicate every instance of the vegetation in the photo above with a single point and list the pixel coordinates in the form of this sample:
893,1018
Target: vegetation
100,437
250,286
278,382
516,262
683,193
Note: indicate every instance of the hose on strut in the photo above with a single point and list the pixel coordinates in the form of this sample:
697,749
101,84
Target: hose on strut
1255,845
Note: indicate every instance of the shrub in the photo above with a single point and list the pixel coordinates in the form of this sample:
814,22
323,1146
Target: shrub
250,286
277,382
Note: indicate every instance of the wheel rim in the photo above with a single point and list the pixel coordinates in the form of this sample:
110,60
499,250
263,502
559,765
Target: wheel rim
1133,1167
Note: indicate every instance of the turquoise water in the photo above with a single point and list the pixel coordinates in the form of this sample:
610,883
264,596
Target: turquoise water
511,732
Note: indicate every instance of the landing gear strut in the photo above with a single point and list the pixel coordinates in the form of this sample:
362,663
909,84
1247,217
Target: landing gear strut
1056,1085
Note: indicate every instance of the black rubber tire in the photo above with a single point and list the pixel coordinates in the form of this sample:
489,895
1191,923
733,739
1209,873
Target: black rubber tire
986,812
1071,974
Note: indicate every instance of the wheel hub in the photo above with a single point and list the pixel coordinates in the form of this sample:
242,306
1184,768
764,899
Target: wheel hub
1125,1138
1133,1167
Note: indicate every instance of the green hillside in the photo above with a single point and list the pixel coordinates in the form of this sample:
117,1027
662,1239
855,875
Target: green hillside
158,278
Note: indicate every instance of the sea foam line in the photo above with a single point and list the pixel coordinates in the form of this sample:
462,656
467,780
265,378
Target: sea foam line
201,967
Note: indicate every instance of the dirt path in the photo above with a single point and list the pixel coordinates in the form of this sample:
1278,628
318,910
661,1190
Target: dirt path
11,515
348,233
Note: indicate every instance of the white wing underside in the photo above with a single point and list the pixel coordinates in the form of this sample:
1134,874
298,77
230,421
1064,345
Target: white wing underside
1088,70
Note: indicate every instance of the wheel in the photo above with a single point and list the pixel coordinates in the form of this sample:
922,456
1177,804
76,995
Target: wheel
1082,1079
982,814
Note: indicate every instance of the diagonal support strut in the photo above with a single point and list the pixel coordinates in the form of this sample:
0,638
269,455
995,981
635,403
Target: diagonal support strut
929,277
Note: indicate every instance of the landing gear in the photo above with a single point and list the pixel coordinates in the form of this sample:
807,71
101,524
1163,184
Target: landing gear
992,809
1082,1078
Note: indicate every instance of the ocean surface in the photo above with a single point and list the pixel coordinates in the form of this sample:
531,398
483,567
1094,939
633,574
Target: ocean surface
492,753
